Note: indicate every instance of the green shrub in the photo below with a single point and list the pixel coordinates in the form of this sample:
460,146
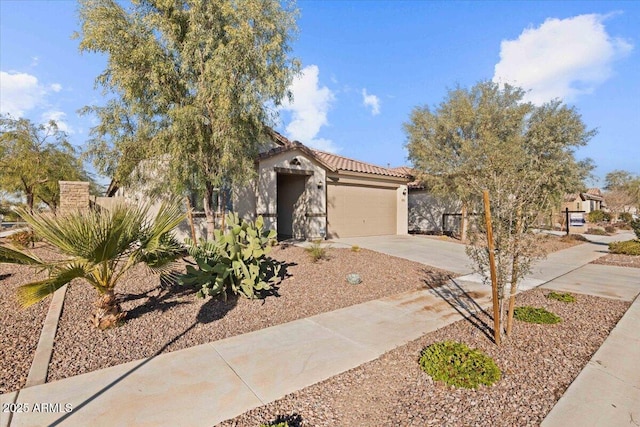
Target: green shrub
595,216
282,424
610,229
458,365
316,251
535,315
562,297
234,261
635,225
23,238
629,247
625,217
355,248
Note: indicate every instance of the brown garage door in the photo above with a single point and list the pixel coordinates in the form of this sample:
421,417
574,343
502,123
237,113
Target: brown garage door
360,211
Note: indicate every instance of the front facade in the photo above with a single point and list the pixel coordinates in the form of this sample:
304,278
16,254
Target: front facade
308,194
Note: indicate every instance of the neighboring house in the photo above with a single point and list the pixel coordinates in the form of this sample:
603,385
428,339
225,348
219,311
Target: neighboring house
589,201
426,210
309,194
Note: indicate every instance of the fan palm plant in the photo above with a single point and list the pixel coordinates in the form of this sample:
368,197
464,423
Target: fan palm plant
99,246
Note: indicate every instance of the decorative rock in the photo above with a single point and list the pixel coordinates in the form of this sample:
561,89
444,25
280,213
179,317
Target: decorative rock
354,278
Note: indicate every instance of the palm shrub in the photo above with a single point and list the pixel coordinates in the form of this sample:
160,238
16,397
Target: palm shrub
234,261
99,246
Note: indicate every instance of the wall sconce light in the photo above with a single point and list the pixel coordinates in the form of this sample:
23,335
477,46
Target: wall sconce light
404,191
319,185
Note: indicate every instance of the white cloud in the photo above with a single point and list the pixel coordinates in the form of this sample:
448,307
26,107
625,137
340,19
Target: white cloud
562,58
59,118
21,92
309,109
371,101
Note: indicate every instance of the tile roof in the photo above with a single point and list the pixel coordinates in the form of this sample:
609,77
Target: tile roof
331,161
351,165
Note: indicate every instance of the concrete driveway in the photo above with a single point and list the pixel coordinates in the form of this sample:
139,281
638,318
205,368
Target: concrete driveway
426,250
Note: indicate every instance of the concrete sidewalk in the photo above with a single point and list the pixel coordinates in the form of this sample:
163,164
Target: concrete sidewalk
207,384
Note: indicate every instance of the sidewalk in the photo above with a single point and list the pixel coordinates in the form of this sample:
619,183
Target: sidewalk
207,384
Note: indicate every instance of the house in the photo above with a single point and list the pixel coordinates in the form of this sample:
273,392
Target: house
589,201
305,193
309,194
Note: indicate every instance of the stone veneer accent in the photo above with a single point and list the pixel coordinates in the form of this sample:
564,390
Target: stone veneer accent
74,196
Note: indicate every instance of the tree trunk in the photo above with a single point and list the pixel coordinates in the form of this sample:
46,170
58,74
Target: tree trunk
463,223
222,205
208,211
30,202
515,269
108,313
190,218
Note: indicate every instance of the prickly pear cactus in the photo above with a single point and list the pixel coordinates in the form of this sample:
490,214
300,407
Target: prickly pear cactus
234,261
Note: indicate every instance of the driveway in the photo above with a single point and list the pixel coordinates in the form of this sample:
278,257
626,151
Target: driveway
422,249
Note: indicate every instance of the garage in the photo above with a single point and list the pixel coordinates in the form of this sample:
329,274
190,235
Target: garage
354,210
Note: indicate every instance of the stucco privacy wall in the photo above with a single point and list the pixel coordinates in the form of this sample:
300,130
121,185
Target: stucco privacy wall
313,201
425,211
74,196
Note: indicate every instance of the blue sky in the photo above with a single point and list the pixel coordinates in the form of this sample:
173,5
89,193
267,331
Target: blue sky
366,65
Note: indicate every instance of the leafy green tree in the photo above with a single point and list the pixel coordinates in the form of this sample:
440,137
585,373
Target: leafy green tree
622,191
194,82
99,247
34,158
487,138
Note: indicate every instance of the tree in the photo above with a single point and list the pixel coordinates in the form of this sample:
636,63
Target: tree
487,138
194,82
622,191
34,158
99,247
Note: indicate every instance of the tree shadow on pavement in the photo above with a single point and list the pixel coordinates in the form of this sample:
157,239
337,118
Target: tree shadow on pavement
464,303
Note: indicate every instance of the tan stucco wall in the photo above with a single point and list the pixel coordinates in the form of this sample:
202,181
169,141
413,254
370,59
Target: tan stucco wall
314,198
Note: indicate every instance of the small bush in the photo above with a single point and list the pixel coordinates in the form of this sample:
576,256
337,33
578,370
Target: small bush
355,248
316,251
625,217
562,297
23,238
282,424
458,365
535,315
629,247
609,229
597,216
596,231
574,237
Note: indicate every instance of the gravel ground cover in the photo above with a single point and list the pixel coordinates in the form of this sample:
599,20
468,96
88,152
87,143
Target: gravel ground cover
619,260
163,320
537,366
20,327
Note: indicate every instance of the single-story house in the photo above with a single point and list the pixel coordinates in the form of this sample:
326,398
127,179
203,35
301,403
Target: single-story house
309,194
305,193
589,201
